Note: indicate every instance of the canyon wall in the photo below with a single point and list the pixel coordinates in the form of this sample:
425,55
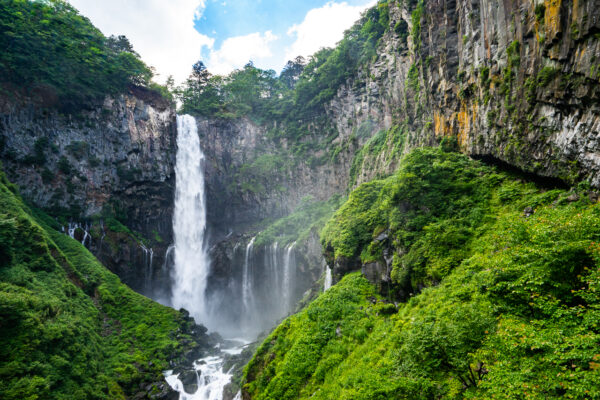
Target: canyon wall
514,82
105,171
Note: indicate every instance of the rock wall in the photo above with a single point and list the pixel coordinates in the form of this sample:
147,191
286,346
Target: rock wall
515,81
229,147
108,168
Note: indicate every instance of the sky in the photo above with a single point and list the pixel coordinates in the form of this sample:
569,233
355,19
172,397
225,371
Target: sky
171,35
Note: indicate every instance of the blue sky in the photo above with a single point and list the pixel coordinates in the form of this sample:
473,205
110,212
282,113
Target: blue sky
172,35
222,19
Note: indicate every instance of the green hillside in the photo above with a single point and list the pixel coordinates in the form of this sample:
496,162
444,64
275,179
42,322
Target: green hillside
486,302
69,329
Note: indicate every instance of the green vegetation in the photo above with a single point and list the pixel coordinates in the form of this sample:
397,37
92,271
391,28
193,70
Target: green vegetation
301,90
262,173
515,313
298,225
385,145
540,13
412,79
513,53
431,207
415,32
52,51
70,329
546,75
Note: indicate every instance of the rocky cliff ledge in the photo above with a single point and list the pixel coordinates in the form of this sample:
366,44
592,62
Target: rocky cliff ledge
515,81
106,172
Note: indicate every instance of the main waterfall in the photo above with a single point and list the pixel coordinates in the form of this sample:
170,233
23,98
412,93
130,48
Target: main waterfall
258,293
191,262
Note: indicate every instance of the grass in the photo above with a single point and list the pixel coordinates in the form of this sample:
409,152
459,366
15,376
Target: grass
70,329
515,315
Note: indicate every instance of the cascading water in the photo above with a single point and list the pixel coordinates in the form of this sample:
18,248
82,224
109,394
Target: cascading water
328,278
260,295
247,280
191,262
148,263
288,268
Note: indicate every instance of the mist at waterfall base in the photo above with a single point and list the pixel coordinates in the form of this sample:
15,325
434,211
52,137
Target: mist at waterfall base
259,290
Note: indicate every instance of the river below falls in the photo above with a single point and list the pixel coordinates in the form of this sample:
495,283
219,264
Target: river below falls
212,379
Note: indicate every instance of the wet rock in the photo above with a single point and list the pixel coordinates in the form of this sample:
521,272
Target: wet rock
162,392
528,211
383,236
573,197
189,378
378,273
120,151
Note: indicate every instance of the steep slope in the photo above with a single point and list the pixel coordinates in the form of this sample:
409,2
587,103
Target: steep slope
87,136
68,327
485,300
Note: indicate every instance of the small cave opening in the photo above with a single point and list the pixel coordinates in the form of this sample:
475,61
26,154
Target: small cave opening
546,182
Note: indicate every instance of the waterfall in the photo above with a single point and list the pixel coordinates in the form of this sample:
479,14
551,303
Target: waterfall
148,261
191,265
275,271
288,267
328,278
72,228
247,280
212,378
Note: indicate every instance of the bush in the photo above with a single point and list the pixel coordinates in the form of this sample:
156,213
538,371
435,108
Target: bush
49,48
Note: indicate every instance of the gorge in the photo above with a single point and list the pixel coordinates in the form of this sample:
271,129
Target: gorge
411,214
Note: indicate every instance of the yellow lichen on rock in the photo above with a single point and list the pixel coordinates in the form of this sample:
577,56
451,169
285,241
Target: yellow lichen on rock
552,18
466,118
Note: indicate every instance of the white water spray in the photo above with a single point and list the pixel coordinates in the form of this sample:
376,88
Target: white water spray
211,377
191,266
288,268
328,279
247,298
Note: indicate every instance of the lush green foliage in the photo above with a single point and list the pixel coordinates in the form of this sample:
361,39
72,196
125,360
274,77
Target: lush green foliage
49,49
431,208
300,91
69,328
265,171
297,226
517,315
390,143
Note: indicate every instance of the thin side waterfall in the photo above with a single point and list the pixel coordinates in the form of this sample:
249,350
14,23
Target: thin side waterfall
148,261
247,280
191,262
288,267
328,279
275,269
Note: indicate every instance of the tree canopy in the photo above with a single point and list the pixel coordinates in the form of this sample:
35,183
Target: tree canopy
48,47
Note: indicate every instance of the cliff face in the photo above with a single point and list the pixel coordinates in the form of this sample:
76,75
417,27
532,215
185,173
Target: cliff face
235,150
106,172
511,82
515,81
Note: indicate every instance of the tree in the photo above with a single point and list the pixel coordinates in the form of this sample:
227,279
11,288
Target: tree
292,71
120,44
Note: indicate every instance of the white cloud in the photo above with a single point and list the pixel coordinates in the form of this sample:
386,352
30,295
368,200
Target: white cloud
323,27
161,31
236,51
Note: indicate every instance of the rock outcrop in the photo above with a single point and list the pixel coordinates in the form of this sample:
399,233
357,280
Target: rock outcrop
514,81
108,171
